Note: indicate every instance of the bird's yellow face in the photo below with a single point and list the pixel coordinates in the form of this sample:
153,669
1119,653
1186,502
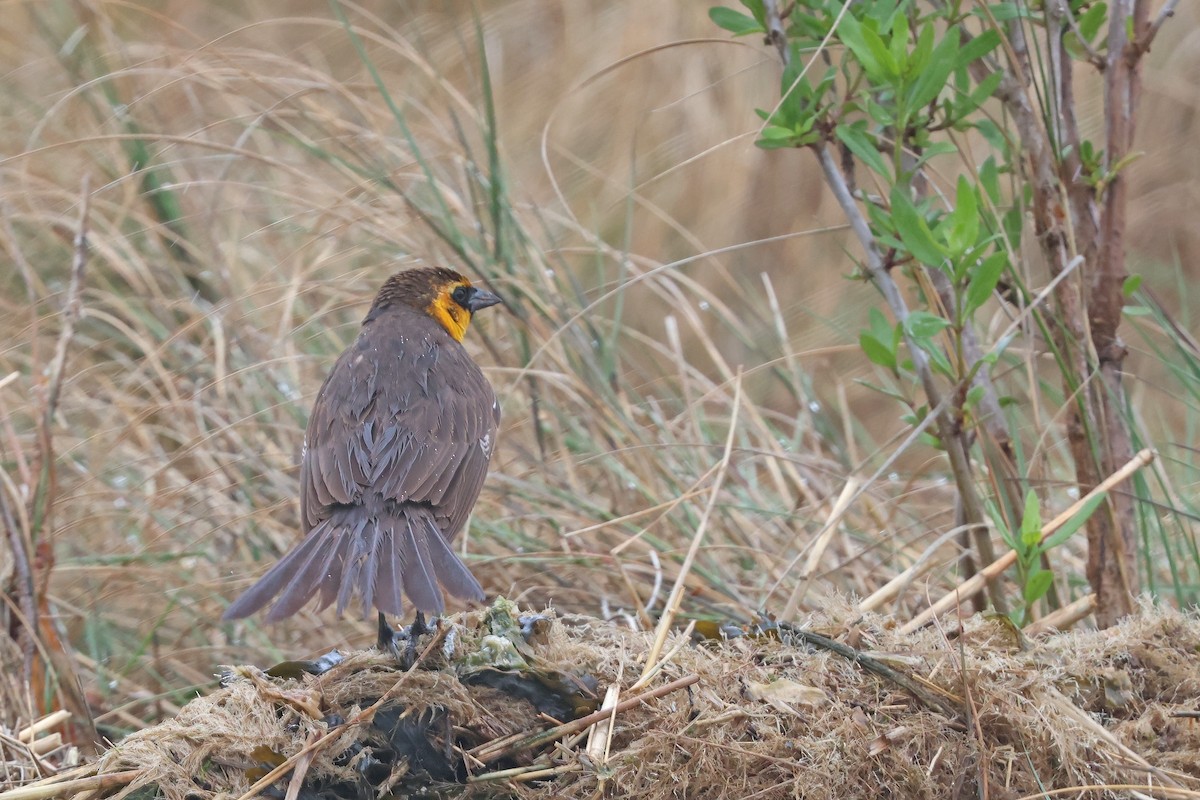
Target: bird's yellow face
454,303
449,308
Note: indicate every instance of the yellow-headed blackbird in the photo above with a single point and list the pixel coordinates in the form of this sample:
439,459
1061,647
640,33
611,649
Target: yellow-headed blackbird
395,454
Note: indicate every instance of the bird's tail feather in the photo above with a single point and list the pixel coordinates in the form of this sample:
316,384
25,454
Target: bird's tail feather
379,560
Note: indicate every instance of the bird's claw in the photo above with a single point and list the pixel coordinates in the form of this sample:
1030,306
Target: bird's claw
402,643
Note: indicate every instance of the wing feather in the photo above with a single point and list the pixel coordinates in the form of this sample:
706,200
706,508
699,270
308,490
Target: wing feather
405,416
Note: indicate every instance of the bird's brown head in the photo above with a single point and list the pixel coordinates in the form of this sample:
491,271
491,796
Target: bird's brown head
441,293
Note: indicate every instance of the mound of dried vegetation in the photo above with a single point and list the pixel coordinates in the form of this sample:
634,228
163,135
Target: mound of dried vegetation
503,703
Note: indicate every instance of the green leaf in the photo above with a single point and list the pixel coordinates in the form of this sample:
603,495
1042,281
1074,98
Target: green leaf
983,282
998,522
934,149
923,326
929,440
735,22
808,29
978,97
913,229
961,226
998,349
978,47
993,133
989,179
937,358
881,115
881,341
1136,311
898,46
1037,584
1131,285
1005,12
922,52
1073,524
932,79
1013,223
869,49
881,328
777,132
875,350
859,142
884,391
1031,520
795,96
774,144
1092,20
974,395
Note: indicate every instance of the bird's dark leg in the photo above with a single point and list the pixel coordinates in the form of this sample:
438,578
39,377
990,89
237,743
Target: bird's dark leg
389,640
414,632
387,637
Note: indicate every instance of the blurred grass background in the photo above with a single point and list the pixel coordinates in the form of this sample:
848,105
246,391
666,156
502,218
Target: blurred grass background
259,169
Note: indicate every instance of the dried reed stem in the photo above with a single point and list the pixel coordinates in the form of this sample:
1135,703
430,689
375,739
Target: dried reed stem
69,788
1063,618
676,596
517,743
973,585
30,732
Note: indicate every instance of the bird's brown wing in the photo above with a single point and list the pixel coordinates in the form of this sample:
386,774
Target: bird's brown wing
404,416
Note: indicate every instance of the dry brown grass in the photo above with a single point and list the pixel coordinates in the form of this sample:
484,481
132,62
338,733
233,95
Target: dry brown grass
759,718
203,340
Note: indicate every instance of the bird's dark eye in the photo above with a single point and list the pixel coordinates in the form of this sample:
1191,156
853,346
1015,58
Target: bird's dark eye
461,295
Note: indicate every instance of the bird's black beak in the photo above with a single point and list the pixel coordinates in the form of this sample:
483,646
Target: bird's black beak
481,298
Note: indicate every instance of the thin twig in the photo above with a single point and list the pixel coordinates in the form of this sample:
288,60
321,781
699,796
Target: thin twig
302,764
685,640
43,791
518,743
676,597
1108,789
894,586
33,750
974,584
30,732
1142,45
923,562
775,31
1062,618
820,543
18,537
23,540
59,778
1087,725
1064,10
926,696
524,774
952,440
600,735
971,708
72,311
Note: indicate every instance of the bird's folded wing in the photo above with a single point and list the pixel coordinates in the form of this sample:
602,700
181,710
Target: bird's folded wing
414,423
